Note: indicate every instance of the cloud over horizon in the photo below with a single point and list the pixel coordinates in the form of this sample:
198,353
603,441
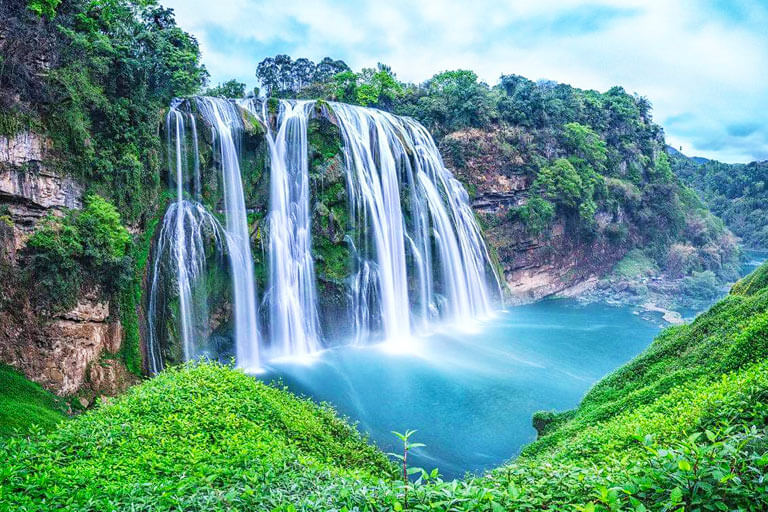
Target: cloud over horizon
703,64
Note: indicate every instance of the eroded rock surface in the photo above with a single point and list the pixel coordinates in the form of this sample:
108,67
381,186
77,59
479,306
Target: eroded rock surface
67,353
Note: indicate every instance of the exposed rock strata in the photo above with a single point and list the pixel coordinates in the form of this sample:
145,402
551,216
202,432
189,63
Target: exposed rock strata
68,353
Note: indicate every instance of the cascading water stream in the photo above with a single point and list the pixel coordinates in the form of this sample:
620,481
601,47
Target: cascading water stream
224,117
372,153
417,252
294,324
180,245
387,158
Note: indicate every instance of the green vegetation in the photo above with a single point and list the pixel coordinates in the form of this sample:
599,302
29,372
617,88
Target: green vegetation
635,263
229,89
330,219
85,247
737,193
684,426
201,437
45,8
594,162
96,76
25,406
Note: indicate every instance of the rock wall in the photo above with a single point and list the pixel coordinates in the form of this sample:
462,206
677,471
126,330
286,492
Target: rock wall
74,352
559,260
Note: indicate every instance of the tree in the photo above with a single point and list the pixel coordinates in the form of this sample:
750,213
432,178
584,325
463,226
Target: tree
268,75
327,68
284,66
457,100
581,141
229,89
304,72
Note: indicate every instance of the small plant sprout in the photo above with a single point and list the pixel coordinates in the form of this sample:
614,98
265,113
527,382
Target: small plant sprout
407,446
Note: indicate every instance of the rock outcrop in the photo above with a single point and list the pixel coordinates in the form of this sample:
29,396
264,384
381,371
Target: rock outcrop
71,352
558,260
67,353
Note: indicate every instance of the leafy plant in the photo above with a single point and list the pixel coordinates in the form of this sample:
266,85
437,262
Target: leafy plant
407,446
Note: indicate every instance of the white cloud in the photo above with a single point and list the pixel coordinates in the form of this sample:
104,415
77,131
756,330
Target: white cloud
689,59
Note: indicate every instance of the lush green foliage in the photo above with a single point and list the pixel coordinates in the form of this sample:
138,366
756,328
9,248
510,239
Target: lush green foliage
196,438
24,405
45,8
681,427
634,264
229,89
737,193
85,247
753,284
536,214
112,66
282,76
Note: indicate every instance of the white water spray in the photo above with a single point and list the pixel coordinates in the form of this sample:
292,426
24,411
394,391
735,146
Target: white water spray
418,254
224,117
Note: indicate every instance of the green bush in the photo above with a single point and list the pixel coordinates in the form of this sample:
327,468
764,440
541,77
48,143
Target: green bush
701,285
537,214
85,247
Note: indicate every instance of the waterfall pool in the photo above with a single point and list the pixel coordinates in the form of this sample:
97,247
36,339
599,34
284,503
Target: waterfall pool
471,393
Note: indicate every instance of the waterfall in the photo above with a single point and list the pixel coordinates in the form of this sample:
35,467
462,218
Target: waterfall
180,246
373,152
389,159
294,324
224,118
417,253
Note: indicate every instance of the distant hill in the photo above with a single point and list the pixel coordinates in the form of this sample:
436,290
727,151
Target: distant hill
735,192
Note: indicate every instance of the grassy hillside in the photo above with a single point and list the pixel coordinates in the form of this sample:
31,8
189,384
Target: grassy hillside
24,404
196,438
684,426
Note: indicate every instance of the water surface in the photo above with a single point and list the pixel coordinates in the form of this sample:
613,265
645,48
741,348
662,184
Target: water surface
471,394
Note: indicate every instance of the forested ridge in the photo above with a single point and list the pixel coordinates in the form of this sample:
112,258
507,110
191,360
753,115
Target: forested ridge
734,192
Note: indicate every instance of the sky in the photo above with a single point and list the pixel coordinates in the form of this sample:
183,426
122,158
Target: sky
703,64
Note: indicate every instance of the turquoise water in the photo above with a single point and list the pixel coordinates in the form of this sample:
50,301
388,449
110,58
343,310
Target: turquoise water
752,258
471,395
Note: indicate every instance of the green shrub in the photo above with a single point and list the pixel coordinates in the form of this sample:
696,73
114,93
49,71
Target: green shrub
85,247
701,285
537,214
634,264
54,271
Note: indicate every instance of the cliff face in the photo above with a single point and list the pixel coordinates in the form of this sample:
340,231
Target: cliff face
569,254
534,265
69,352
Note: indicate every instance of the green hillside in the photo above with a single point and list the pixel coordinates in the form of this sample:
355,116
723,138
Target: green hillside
736,193
681,427
24,404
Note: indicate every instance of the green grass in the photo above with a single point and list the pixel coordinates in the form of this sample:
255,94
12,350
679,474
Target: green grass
635,263
200,437
24,404
684,426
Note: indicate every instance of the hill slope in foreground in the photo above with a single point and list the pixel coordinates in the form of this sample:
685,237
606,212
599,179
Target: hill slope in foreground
681,427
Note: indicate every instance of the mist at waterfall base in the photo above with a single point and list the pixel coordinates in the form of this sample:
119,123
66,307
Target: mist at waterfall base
471,394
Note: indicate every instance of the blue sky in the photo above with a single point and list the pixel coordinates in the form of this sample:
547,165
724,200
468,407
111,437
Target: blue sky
702,63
